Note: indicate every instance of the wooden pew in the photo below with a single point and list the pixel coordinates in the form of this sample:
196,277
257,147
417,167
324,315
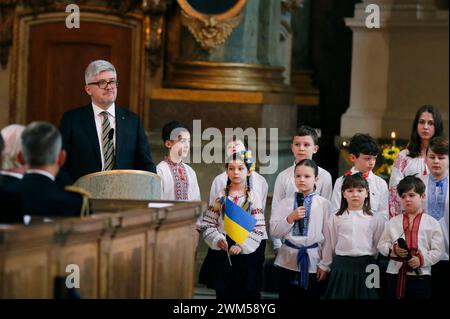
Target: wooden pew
124,250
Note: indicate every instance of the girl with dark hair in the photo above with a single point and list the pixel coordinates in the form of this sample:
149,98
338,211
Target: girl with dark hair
411,161
300,220
257,182
352,239
239,276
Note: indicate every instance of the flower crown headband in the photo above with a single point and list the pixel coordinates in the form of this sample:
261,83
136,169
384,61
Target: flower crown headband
247,158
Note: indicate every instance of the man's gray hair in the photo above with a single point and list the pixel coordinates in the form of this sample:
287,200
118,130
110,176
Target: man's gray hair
95,68
41,144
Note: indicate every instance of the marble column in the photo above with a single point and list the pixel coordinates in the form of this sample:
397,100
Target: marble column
397,68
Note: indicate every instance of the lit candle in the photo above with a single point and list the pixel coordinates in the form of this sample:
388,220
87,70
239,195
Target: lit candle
393,138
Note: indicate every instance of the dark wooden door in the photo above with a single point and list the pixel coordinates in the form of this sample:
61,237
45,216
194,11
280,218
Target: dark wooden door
57,59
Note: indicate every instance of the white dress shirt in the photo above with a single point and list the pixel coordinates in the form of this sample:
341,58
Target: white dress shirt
352,234
98,125
12,174
41,172
379,194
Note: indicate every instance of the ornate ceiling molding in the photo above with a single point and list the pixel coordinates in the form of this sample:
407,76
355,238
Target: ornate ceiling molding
211,30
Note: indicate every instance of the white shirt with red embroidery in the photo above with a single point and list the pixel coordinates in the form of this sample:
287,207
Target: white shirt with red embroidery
430,242
178,181
211,225
403,166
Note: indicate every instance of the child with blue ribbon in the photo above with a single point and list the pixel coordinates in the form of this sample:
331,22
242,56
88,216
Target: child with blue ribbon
301,221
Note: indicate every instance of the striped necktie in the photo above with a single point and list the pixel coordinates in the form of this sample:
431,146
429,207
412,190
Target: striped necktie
107,143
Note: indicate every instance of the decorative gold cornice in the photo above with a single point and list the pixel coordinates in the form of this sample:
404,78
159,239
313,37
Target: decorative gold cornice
227,76
211,31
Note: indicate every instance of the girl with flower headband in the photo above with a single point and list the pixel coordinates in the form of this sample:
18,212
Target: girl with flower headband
351,242
301,221
256,181
242,277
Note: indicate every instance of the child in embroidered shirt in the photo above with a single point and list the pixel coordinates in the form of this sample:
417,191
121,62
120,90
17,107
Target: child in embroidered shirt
437,206
351,242
409,270
305,143
241,278
178,180
256,181
411,161
301,220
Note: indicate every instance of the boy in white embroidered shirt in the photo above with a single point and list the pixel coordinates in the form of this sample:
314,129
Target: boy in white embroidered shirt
437,206
178,180
413,241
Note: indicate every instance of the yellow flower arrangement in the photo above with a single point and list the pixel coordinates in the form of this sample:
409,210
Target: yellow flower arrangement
388,156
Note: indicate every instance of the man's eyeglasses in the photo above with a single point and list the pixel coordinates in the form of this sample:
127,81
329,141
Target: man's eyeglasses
103,84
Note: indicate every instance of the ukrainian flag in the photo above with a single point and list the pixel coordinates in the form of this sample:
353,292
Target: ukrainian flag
237,222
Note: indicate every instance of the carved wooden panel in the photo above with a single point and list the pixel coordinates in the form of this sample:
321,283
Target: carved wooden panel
174,258
86,257
27,275
126,267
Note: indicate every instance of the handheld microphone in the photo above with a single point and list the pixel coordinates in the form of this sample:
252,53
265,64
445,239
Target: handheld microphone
110,134
301,222
401,242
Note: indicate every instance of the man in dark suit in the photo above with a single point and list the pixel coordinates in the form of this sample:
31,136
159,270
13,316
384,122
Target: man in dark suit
43,156
101,136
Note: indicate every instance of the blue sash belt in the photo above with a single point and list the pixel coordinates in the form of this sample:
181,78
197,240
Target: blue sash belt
302,262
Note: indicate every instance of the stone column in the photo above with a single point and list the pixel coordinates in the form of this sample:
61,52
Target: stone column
397,67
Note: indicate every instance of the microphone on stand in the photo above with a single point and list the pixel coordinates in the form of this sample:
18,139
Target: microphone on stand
301,222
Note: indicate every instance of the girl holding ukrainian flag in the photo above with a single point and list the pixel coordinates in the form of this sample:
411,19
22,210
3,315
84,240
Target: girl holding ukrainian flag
235,231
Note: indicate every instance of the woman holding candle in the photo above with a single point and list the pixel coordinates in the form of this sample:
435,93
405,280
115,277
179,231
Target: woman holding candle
411,161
